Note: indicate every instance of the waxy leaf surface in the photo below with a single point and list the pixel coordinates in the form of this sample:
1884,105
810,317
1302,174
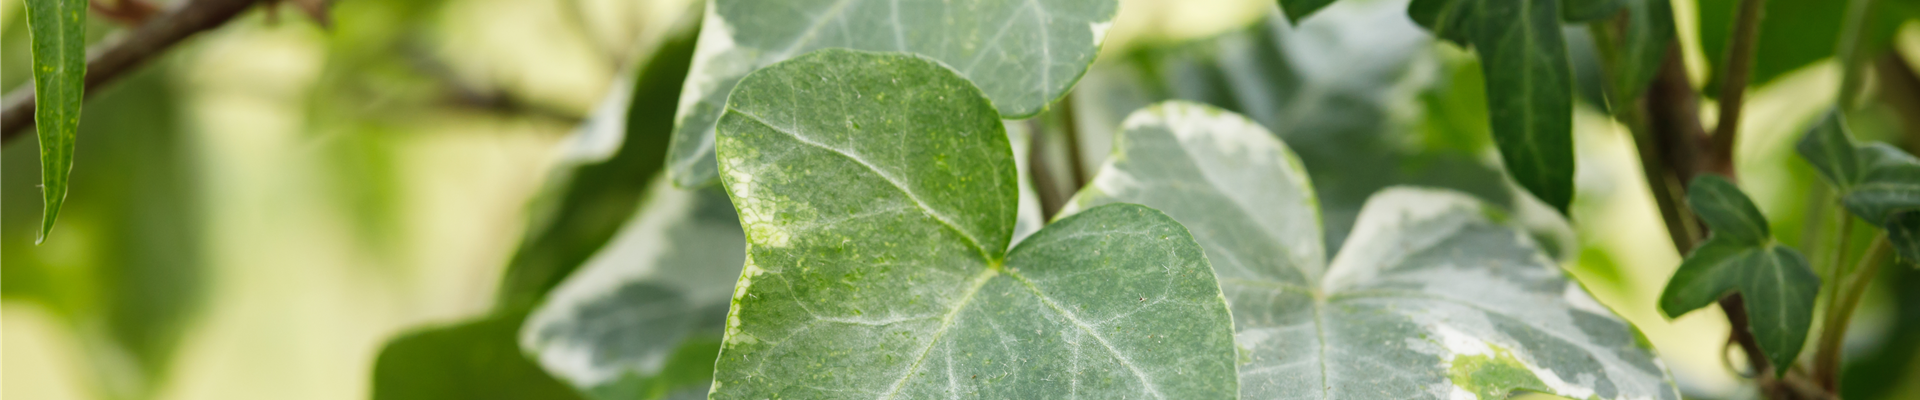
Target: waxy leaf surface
1023,54
877,192
1428,299
1740,255
59,29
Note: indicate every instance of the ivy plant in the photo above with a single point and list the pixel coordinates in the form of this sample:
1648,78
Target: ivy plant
1431,297
878,199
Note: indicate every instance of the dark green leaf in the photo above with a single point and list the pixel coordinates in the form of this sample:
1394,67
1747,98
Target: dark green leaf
1796,33
59,29
1430,299
620,148
1727,211
1831,151
475,360
1023,54
1741,256
878,196
1903,231
657,293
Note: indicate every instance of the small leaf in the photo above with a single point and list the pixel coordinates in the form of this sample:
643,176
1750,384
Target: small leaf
1529,84
878,196
657,291
59,30
1023,54
1727,211
1831,151
1740,256
475,360
1428,299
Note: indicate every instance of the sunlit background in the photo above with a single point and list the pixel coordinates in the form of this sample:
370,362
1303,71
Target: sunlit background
255,213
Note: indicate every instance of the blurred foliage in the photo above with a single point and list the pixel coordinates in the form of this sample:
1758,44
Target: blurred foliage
478,360
1795,33
127,271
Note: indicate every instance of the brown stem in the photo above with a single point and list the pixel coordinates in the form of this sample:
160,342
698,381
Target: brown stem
1071,129
109,61
1733,87
1044,185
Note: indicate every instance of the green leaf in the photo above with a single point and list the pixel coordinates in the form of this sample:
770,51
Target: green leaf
1335,88
59,29
475,360
878,196
613,156
614,328
1794,34
1741,256
1529,84
1430,298
1643,46
1876,181
1023,53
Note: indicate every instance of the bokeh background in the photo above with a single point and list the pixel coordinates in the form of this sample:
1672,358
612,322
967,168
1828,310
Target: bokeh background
256,212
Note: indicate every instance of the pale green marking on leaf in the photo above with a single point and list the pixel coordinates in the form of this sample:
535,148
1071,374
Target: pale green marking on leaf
1427,277
59,30
1493,376
1023,54
897,281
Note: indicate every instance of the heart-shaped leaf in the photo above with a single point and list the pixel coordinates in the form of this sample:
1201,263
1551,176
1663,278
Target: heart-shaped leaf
1428,299
878,196
1877,182
1741,256
617,328
1023,53
59,29
1529,84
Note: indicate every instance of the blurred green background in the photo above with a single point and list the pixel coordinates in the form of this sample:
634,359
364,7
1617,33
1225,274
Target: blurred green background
256,212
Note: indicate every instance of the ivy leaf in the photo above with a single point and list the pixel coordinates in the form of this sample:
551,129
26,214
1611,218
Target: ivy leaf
877,192
59,29
1023,53
474,360
599,184
1335,88
617,328
1741,256
1430,298
1876,181
1529,84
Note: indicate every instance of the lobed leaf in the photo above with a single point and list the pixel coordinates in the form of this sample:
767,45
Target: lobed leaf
1023,54
1877,182
1741,256
1529,84
877,193
1429,298
59,30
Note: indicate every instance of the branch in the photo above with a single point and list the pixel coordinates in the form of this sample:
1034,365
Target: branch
109,61
1733,87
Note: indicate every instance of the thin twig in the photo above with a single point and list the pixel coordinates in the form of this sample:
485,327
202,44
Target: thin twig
1848,51
1733,86
1071,129
110,61
1051,198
